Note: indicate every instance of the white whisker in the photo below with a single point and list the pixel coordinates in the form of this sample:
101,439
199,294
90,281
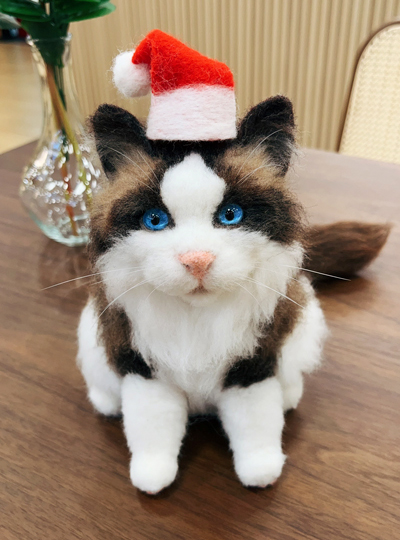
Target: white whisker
272,256
89,284
122,294
155,289
271,289
249,174
134,163
276,272
315,272
145,160
247,290
90,275
258,145
103,280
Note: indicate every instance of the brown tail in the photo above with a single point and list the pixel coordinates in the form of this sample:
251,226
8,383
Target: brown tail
343,248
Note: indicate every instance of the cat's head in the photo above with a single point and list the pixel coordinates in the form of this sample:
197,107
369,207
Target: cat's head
196,220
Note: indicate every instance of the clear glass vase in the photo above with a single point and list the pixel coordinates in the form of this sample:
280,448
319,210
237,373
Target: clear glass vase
60,180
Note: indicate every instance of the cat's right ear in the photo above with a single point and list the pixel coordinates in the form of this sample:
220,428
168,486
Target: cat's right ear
271,125
117,134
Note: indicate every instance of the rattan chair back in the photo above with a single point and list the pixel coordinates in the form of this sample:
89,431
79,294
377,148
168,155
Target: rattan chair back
371,127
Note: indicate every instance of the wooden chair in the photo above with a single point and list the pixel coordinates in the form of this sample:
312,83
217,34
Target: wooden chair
371,126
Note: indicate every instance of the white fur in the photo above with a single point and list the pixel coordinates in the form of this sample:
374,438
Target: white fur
155,416
191,338
302,350
253,420
193,113
191,190
104,385
132,80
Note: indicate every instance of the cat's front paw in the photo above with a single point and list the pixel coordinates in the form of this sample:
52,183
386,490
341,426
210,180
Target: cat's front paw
153,472
261,468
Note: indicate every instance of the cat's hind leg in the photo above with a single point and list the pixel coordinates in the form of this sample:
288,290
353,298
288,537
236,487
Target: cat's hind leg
104,385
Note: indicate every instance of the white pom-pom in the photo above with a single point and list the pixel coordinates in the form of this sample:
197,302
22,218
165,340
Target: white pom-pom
132,80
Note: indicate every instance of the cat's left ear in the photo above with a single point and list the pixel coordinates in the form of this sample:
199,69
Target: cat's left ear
117,135
271,125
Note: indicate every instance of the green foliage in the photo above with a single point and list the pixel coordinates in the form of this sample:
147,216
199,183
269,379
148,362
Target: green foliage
57,14
24,9
50,19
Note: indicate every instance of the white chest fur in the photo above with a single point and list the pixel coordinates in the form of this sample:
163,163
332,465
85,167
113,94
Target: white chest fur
194,346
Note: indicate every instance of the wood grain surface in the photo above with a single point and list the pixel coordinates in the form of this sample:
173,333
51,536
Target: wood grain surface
64,470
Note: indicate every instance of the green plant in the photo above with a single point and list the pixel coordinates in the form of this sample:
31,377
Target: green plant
51,18
47,22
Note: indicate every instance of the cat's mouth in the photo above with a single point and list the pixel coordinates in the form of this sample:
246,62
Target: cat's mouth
200,289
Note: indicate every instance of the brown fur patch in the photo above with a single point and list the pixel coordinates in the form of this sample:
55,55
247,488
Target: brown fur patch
131,184
115,329
344,248
115,333
285,318
269,207
263,364
250,161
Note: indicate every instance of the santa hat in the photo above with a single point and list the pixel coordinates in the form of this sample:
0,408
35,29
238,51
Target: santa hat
192,96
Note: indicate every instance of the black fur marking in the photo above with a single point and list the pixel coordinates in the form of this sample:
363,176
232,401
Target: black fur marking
98,244
131,362
127,212
249,371
116,336
266,210
262,365
116,132
173,152
273,121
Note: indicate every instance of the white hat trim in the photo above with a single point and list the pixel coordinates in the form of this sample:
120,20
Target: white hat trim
193,113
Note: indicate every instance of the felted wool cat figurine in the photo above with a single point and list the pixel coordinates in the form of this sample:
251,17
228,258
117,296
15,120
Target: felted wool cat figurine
203,305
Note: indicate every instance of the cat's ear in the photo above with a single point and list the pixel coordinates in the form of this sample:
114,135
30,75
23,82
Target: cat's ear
117,134
271,125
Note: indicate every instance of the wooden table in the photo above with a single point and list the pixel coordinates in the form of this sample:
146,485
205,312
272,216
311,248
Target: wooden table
64,470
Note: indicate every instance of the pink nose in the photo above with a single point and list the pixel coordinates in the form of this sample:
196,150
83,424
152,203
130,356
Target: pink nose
197,262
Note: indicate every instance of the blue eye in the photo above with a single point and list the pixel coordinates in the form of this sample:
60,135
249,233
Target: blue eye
230,214
155,219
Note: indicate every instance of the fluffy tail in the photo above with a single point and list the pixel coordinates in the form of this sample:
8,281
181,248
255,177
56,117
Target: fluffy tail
344,248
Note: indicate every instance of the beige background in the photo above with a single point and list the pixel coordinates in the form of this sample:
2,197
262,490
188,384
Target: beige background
20,97
303,48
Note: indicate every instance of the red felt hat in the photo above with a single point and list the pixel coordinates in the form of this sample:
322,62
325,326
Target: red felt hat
192,96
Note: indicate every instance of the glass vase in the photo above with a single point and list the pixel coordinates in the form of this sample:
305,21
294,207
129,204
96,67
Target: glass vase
60,180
